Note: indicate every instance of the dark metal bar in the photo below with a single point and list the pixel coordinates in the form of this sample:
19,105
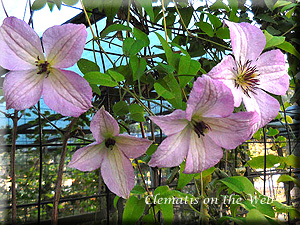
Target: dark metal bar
41,164
265,159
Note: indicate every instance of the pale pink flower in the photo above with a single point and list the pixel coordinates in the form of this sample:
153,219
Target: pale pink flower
199,133
250,74
32,74
111,152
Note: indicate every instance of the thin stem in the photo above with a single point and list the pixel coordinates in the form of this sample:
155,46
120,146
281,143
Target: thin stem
94,36
4,8
138,100
15,119
164,17
66,136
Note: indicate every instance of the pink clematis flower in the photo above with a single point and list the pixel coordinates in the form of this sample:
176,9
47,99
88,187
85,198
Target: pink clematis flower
199,133
111,152
33,75
250,74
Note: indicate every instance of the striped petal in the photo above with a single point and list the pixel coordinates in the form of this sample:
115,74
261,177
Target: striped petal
64,44
88,158
22,89
132,147
67,93
20,45
118,173
103,125
247,41
209,98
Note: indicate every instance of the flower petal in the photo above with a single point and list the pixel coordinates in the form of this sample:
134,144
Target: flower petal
209,98
247,41
64,44
172,151
273,76
88,158
132,147
118,173
171,123
203,153
67,93
22,89
264,104
224,70
20,45
232,131
103,125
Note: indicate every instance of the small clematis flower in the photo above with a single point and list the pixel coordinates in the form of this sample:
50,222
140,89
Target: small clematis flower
111,152
32,74
250,74
199,133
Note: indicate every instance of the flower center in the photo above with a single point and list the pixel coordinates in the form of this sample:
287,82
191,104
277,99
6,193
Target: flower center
110,142
201,128
247,77
43,66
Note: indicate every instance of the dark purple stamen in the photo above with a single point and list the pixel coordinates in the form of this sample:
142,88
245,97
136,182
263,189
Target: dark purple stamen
200,128
247,77
110,142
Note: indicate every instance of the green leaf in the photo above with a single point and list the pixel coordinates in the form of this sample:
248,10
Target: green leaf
141,36
162,91
239,184
167,213
169,87
168,51
258,162
272,41
233,4
95,89
116,75
281,3
288,47
111,7
134,209
216,22
293,161
116,199
137,112
186,15
206,27
187,67
86,66
255,216
113,28
287,178
223,33
131,46
70,2
237,220
184,178
288,119
58,3
138,189
38,4
121,108
272,132
138,66
269,4
147,4
100,78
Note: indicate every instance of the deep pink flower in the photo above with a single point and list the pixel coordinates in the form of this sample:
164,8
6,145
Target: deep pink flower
250,74
33,75
111,152
199,133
